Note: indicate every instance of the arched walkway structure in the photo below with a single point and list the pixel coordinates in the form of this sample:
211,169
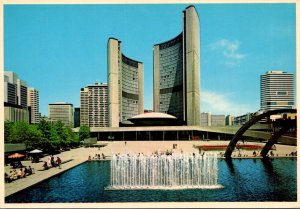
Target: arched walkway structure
275,136
246,126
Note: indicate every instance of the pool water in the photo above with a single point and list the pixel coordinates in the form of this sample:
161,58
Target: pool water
242,180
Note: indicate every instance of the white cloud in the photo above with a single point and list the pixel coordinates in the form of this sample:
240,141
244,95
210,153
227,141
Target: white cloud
217,103
229,50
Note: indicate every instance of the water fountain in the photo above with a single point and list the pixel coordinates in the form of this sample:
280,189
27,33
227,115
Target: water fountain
176,171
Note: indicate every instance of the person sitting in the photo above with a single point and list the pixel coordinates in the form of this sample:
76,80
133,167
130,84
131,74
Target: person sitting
103,156
7,178
21,173
45,166
13,174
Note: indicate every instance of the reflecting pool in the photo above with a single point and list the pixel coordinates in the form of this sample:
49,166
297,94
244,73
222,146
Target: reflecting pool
242,180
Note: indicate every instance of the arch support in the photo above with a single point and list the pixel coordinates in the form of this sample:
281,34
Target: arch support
275,137
246,126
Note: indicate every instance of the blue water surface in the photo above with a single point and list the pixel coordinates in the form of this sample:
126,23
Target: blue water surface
242,180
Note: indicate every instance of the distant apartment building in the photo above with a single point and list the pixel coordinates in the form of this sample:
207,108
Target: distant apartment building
10,91
177,72
229,120
125,85
208,119
205,119
242,119
21,88
61,111
76,117
33,103
94,105
277,90
217,120
15,98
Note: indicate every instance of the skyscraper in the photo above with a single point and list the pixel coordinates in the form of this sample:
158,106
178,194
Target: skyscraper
21,90
94,105
277,90
33,102
76,117
15,98
177,72
10,91
125,85
61,111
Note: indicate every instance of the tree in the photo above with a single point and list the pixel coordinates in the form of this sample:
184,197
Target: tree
84,132
45,127
7,130
61,132
19,132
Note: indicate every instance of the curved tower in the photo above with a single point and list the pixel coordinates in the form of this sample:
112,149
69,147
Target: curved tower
177,72
125,85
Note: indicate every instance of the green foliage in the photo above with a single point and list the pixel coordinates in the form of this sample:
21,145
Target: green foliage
46,136
7,130
84,132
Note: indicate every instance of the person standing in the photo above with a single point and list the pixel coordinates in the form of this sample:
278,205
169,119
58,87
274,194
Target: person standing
58,162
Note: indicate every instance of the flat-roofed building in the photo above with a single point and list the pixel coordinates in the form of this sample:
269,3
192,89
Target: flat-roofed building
177,72
61,111
217,120
94,105
229,120
33,103
76,117
277,90
15,113
205,119
125,85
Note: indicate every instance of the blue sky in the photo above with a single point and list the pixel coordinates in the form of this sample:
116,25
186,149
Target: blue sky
59,49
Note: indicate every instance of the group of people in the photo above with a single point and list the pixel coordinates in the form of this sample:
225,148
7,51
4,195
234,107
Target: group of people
14,174
52,163
97,157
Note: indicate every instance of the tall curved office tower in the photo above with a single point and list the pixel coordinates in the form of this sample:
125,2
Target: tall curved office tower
125,85
177,72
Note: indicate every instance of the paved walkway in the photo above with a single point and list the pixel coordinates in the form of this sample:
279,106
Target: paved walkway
80,155
74,158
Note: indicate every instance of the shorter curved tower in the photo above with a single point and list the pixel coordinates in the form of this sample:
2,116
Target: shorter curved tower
125,85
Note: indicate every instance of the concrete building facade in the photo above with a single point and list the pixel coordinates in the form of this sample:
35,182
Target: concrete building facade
15,98
94,105
205,119
218,120
10,91
11,78
277,90
15,113
61,111
229,120
177,72
125,85
33,103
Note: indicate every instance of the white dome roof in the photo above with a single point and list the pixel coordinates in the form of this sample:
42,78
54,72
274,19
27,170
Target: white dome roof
154,115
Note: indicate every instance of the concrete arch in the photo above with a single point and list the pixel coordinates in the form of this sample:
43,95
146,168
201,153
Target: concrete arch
275,136
247,125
